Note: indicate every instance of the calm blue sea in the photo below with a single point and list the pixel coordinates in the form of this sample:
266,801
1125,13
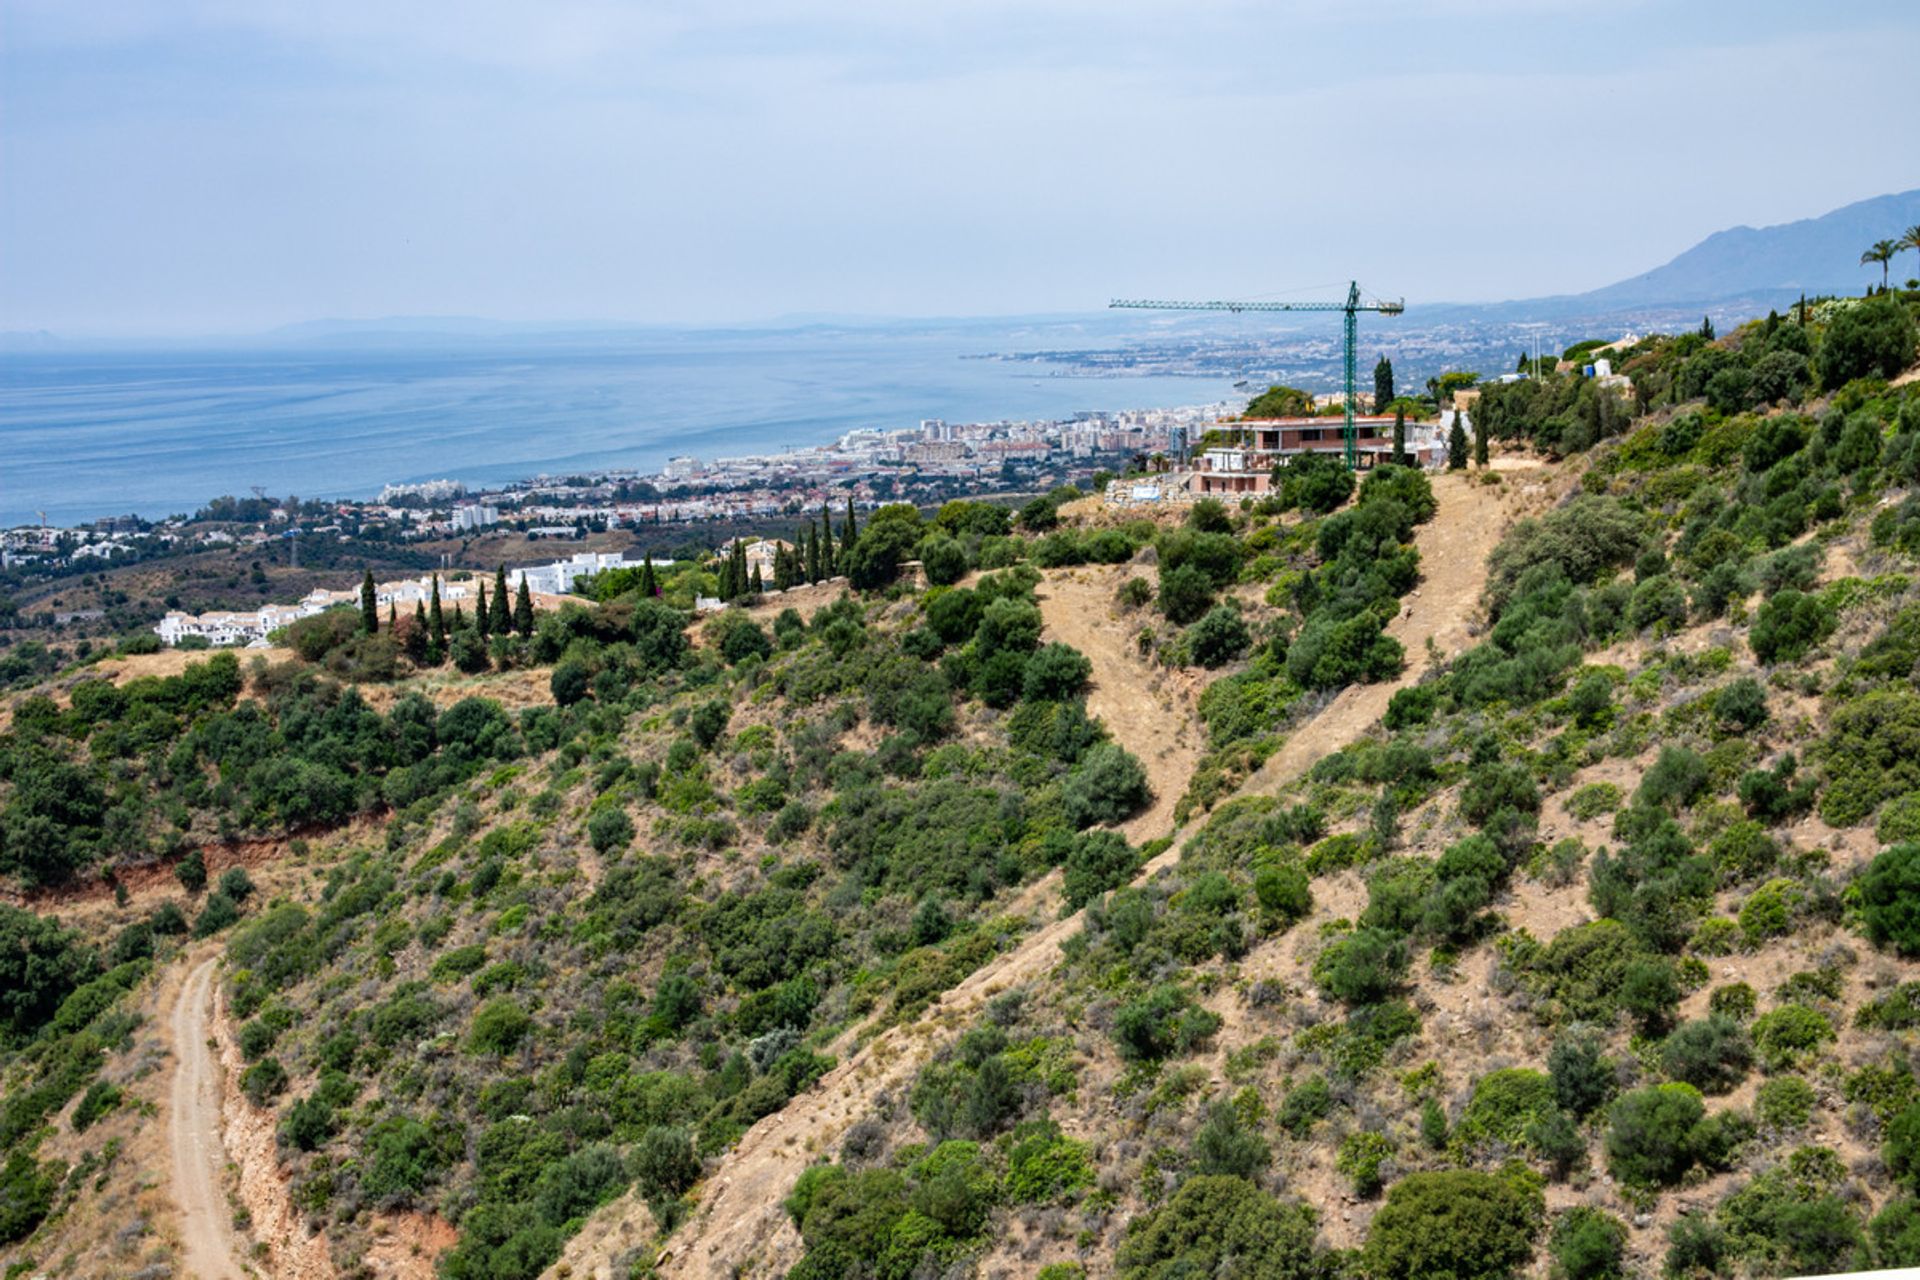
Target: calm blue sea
89,434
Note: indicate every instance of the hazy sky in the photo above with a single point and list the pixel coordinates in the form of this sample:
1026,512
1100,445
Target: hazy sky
192,166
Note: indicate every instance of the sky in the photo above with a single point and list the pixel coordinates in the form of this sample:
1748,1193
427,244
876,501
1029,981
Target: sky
226,166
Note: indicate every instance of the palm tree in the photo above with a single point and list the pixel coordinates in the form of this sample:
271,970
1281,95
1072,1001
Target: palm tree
1882,253
1911,239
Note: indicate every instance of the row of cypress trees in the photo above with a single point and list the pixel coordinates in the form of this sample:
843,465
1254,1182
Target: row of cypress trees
428,639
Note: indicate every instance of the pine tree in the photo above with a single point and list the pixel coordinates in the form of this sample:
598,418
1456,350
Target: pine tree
1457,446
369,605
1479,446
523,610
502,617
1382,385
482,620
436,624
1400,435
649,582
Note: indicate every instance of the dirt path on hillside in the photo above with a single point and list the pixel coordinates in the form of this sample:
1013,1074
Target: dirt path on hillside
1454,546
1151,711
740,1227
208,1246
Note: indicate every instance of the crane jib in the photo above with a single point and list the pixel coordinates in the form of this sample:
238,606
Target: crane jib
1349,308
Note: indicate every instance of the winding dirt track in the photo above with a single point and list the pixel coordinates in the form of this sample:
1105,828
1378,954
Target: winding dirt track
740,1227
193,1134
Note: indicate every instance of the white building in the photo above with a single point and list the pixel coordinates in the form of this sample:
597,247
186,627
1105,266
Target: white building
557,579
473,516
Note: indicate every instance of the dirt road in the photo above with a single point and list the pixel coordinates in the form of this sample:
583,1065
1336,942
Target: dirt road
1151,711
740,1226
193,1122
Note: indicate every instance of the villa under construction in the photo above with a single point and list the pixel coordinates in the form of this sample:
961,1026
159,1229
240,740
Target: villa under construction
1244,466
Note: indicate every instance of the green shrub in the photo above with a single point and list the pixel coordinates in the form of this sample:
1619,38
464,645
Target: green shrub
1225,1144
1594,800
1096,862
1364,968
1186,593
610,830
263,1081
1787,1034
1871,338
1769,910
1899,821
1504,1104
1888,897
1218,638
664,1163
1712,1054
1871,754
1044,1165
499,1027
1362,1155
1785,1103
99,1100
1457,1223
1305,1105
1651,1138
1741,706
1587,1244
1108,785
1582,1075
1164,1021
1788,625
1902,1148
1735,1000
1217,1225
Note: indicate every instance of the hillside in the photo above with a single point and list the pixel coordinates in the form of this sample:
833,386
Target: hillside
1501,872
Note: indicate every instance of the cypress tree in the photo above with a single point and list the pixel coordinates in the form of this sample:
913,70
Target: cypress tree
1479,446
826,540
482,620
393,617
1382,385
502,617
649,583
523,610
459,617
436,621
417,635
369,606
1706,327
758,585
1457,446
1400,435
813,553
852,529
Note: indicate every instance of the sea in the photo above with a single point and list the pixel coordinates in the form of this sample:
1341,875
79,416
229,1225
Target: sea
87,433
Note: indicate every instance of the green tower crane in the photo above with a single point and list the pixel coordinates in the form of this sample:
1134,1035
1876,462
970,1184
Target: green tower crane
1350,308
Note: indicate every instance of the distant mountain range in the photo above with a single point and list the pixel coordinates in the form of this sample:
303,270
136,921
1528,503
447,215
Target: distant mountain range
1745,268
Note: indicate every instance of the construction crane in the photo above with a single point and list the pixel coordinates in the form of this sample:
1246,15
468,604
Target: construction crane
1350,308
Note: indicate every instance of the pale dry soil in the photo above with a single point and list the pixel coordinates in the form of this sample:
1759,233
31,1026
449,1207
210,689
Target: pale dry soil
209,1247
739,1226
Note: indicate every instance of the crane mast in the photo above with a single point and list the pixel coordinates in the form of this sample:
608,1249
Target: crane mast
1349,309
